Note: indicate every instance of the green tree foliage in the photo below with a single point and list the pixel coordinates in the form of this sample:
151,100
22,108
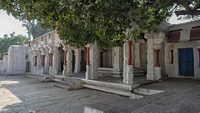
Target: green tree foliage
37,29
11,39
105,21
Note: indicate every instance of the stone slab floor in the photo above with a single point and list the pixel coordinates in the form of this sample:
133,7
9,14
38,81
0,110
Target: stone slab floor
19,94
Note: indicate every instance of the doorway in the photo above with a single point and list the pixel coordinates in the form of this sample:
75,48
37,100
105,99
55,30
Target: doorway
186,62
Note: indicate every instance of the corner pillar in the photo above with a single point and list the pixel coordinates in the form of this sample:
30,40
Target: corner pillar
155,47
128,63
92,61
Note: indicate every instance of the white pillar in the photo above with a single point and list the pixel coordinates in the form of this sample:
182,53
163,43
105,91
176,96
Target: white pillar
69,62
154,46
50,60
46,61
91,68
77,61
137,55
43,54
118,61
128,64
65,61
55,61
39,62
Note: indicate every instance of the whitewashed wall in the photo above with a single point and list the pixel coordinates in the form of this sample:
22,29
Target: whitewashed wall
16,59
173,69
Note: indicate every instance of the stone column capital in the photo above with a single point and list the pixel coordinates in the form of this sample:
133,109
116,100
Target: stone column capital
43,51
35,52
77,51
65,48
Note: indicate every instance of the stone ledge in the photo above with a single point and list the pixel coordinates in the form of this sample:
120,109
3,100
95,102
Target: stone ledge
99,109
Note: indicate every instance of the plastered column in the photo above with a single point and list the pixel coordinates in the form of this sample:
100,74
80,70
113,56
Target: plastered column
77,61
154,47
50,60
92,61
65,61
46,65
55,61
39,61
137,55
118,61
69,63
43,54
128,63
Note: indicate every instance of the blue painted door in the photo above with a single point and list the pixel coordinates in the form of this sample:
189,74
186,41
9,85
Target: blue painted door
186,62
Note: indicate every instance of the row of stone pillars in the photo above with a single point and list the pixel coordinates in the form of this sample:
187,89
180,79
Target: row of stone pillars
92,54
50,64
47,61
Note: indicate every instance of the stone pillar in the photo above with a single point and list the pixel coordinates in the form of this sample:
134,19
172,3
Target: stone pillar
65,62
55,61
46,65
69,62
51,60
137,55
39,61
77,61
92,61
128,63
118,61
154,45
43,54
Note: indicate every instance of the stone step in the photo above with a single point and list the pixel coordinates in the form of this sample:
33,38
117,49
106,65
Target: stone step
110,85
115,91
63,87
66,83
71,83
139,74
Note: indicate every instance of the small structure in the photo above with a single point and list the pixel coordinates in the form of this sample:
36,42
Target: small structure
16,60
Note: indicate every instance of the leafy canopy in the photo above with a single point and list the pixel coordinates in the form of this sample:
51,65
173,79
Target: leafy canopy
105,21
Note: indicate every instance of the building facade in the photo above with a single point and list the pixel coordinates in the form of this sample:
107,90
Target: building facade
172,50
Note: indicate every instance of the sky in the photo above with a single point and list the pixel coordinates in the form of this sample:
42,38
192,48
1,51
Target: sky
9,24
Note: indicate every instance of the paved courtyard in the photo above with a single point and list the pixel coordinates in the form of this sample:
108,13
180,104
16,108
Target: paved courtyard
19,94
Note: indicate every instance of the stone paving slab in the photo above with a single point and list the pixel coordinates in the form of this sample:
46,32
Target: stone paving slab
19,94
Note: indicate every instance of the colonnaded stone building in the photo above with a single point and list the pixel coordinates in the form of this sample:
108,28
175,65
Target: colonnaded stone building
172,50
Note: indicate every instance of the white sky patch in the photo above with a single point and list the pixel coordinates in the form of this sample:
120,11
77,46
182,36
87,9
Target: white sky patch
9,24
174,20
